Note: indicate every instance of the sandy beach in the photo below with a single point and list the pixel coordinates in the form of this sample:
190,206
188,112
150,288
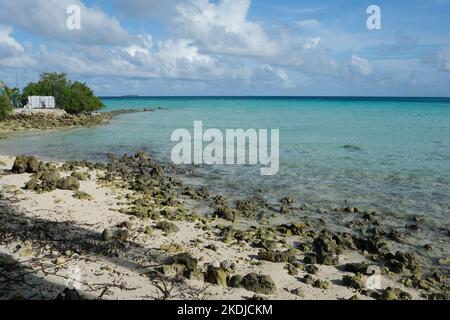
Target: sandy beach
122,256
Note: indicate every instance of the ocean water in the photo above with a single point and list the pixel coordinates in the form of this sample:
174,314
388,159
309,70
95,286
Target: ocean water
389,155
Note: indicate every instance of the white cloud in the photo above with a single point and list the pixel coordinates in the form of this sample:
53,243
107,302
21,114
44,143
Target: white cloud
270,75
223,28
12,53
207,42
360,66
47,18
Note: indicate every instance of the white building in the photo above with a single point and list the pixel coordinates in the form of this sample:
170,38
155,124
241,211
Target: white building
37,102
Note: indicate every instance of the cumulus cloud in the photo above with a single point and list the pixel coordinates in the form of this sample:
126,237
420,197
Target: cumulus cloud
48,19
12,53
207,41
223,28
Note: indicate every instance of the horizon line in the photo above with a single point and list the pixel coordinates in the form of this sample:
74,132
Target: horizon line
272,96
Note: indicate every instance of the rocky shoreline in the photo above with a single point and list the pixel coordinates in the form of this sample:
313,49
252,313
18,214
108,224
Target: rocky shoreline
44,121
136,231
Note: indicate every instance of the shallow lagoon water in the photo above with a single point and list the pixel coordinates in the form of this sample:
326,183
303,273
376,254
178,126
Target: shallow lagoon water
390,155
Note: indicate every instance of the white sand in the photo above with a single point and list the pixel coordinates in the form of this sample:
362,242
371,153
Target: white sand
126,278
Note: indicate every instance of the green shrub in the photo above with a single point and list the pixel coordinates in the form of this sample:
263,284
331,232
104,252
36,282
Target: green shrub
74,97
5,107
80,98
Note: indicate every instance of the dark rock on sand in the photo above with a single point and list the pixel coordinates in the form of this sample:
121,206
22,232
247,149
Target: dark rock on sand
217,276
69,183
107,235
80,175
81,195
25,164
261,284
311,269
403,261
395,294
227,213
356,282
356,268
167,227
326,249
277,256
182,263
307,279
235,281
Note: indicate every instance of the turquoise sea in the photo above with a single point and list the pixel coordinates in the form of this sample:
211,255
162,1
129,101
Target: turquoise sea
388,154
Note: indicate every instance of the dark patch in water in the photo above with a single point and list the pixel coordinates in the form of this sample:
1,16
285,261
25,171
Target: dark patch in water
350,147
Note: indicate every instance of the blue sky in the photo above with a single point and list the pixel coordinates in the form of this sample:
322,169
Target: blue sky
231,47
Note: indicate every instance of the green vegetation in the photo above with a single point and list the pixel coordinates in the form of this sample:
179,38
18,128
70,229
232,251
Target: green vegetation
5,106
6,98
72,96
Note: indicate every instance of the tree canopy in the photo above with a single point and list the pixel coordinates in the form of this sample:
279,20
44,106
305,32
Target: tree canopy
72,96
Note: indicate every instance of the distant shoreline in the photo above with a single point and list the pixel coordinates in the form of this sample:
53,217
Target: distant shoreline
43,121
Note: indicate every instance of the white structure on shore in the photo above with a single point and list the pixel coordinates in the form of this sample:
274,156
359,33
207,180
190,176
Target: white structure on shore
38,102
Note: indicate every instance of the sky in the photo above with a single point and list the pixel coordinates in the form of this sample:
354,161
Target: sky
231,47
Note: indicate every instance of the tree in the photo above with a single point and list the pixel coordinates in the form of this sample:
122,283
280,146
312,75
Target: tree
5,106
74,97
49,84
6,96
80,98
